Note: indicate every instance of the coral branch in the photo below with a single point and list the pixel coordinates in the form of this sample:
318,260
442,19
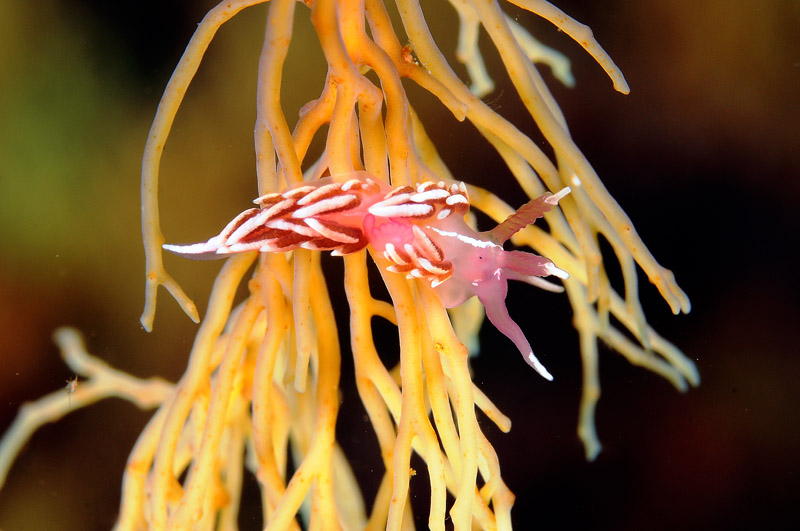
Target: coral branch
97,382
261,388
156,139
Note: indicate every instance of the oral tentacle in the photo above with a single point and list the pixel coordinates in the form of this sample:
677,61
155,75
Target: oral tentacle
494,300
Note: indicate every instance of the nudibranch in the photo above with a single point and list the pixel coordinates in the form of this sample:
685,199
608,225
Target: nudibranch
419,229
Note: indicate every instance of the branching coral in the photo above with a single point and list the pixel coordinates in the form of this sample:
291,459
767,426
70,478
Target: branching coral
261,386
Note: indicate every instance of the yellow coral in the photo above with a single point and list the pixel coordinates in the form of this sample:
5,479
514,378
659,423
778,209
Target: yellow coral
262,382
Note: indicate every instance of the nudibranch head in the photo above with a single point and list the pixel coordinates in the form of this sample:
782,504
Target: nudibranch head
483,268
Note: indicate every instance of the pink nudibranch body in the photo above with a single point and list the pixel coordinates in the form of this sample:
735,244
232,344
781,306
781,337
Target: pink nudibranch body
420,230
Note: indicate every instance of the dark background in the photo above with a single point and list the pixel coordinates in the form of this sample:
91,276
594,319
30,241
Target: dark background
702,155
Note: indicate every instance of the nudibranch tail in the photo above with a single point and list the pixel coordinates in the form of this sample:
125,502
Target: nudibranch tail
527,214
215,247
323,216
197,251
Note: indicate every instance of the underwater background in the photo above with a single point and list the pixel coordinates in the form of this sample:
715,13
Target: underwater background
702,155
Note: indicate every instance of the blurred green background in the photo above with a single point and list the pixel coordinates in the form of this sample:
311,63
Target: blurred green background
702,155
